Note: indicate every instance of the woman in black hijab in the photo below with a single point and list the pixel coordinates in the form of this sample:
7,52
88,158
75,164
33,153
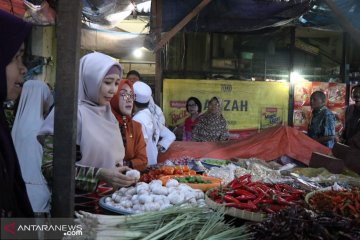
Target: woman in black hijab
14,201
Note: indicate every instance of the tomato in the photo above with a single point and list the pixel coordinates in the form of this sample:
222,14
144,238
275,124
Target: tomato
145,178
192,172
178,172
168,171
186,168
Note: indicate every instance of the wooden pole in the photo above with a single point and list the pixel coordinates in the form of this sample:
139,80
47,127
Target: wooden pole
344,67
66,91
291,69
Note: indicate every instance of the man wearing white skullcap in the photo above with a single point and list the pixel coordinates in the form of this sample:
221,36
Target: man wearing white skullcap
157,136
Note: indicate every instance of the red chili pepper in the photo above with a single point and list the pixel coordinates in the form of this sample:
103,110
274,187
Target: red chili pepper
287,187
235,184
266,201
261,191
230,192
230,199
351,207
246,177
214,195
282,194
262,186
239,192
280,200
246,197
259,198
250,189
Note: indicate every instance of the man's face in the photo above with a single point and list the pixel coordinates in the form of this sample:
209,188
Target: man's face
15,72
133,78
355,95
316,102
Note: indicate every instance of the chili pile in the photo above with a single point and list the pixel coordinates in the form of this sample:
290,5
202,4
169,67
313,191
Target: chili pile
244,194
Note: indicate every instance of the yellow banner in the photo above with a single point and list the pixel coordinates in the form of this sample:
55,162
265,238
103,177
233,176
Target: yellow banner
245,104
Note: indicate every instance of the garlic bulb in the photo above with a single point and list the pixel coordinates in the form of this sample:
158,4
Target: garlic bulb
176,198
122,191
145,198
134,174
172,183
151,206
184,187
199,194
127,204
163,206
160,190
131,191
155,182
142,186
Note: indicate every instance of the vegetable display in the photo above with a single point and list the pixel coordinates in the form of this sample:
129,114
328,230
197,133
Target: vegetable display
244,194
215,162
154,197
345,203
196,223
192,179
166,170
297,223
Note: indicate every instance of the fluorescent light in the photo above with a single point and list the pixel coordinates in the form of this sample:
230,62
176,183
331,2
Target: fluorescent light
295,77
137,53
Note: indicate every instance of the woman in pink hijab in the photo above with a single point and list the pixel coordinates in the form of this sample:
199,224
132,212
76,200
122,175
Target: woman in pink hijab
99,141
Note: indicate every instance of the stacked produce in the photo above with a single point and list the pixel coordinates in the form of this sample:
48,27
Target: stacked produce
173,223
345,203
257,170
154,197
244,194
300,224
166,170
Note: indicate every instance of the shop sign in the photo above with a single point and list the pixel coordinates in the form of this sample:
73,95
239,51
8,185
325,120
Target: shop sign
245,104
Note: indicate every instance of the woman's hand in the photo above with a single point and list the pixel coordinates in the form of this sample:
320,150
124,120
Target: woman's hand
116,177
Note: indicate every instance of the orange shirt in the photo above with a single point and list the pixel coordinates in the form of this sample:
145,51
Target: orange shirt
135,149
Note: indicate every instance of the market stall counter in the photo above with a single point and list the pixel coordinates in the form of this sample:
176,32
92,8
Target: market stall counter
268,145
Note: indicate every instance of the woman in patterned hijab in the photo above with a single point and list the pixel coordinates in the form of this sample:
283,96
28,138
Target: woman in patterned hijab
212,126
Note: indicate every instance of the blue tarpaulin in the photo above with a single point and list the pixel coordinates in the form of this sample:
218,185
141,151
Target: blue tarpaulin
232,15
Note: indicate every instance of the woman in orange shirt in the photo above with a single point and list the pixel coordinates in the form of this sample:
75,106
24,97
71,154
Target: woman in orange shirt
135,147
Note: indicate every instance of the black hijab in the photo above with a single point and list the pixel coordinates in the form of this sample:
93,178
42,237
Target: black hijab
14,201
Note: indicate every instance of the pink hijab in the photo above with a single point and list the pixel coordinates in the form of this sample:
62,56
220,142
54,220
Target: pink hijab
98,132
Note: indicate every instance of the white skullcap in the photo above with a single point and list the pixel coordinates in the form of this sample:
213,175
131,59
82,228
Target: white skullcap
142,92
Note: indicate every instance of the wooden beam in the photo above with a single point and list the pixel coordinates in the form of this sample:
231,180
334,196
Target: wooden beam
344,22
157,14
167,36
66,91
